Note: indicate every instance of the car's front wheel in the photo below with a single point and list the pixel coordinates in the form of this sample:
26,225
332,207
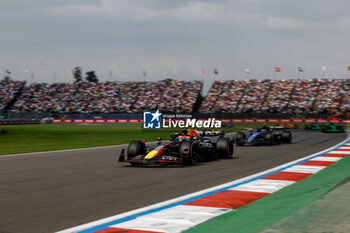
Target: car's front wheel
136,148
189,152
340,128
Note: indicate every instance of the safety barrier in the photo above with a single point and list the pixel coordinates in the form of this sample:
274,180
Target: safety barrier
222,120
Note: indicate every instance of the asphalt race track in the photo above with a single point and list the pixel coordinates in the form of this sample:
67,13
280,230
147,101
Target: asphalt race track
48,192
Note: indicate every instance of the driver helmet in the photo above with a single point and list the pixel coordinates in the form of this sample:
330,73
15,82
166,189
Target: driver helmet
182,138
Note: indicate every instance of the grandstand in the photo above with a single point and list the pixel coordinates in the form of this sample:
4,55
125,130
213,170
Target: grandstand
329,96
9,90
108,97
278,96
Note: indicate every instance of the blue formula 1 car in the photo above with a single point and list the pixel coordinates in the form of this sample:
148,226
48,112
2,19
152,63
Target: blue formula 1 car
265,135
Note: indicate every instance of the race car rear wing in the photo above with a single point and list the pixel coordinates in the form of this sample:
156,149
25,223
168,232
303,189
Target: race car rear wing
277,127
211,133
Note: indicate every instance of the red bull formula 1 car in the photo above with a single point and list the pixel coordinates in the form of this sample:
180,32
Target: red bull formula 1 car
188,148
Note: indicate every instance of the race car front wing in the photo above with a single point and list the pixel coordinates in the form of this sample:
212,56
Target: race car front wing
165,159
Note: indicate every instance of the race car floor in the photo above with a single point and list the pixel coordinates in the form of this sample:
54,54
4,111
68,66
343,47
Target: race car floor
48,192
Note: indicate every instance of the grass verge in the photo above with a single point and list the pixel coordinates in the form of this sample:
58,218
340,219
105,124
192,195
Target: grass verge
34,138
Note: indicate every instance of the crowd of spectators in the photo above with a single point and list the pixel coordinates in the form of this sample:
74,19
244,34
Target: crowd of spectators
304,95
345,101
109,97
168,96
231,96
278,96
277,99
8,91
254,96
329,95
224,96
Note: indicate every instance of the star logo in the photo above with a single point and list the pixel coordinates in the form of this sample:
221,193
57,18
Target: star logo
151,120
156,115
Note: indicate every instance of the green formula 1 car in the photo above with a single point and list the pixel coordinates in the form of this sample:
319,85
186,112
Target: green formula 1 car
312,126
332,128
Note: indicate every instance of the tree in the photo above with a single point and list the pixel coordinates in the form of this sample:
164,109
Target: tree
77,71
168,80
91,77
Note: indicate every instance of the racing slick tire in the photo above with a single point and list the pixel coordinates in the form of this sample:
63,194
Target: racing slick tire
269,138
240,138
189,153
224,148
307,127
287,136
324,129
340,128
136,148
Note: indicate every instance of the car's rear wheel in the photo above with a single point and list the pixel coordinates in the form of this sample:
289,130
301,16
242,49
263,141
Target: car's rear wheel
287,136
136,148
240,138
224,148
324,128
189,153
269,138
